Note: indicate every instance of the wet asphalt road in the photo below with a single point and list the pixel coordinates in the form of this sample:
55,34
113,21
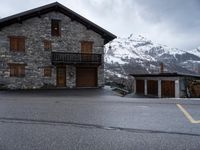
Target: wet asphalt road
94,119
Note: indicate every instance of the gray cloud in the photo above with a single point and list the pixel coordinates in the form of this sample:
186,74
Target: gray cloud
172,22
180,13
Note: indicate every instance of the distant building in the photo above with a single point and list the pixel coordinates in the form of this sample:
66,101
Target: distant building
172,85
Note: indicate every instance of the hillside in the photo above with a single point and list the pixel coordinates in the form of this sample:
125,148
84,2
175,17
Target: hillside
140,55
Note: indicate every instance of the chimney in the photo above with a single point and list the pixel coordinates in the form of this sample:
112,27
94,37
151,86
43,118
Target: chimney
161,68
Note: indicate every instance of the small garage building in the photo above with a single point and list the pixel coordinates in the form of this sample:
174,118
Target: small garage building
171,85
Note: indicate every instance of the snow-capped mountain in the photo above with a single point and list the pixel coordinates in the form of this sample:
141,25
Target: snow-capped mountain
140,55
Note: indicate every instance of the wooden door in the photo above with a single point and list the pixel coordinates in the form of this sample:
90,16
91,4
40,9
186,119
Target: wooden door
86,76
168,88
140,87
152,87
86,47
61,76
86,50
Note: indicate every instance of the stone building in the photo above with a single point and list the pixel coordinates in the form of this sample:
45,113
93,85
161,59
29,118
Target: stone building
51,46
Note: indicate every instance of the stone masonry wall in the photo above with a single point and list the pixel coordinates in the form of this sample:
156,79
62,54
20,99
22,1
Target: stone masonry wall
36,30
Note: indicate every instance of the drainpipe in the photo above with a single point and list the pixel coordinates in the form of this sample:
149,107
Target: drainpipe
161,68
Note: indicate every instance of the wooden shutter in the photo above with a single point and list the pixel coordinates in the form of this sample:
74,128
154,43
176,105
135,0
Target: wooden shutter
86,47
47,45
12,71
55,27
13,44
17,70
17,44
21,44
21,70
47,71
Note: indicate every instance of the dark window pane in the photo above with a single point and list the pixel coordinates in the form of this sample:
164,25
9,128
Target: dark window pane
55,27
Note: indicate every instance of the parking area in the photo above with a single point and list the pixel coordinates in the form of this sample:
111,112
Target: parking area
96,112
191,112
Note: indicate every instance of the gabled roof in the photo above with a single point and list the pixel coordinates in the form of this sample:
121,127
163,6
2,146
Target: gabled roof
37,12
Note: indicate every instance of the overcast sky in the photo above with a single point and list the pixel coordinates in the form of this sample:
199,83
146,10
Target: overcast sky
175,23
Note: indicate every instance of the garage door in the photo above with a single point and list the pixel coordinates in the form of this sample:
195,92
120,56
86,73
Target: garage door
168,88
152,87
86,77
140,86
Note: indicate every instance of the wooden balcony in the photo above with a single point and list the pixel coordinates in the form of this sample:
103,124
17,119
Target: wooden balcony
75,58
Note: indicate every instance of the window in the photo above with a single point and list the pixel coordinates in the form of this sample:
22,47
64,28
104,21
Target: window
55,27
47,45
86,50
17,70
17,43
47,71
86,47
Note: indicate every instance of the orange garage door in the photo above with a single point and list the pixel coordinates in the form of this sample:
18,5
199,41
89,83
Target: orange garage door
168,88
140,86
86,76
152,87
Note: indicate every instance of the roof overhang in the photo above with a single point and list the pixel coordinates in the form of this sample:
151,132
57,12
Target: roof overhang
57,7
165,75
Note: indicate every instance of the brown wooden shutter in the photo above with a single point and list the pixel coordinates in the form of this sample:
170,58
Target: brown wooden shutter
21,70
47,45
47,71
13,44
17,44
86,47
17,70
12,71
21,44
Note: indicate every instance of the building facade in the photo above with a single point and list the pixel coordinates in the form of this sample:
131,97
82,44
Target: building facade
165,85
51,46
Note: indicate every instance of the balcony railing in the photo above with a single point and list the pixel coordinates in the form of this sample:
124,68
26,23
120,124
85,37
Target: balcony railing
75,58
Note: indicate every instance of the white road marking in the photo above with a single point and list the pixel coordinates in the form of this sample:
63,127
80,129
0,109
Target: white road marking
187,115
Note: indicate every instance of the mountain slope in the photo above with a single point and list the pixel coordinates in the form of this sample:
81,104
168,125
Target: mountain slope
140,55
